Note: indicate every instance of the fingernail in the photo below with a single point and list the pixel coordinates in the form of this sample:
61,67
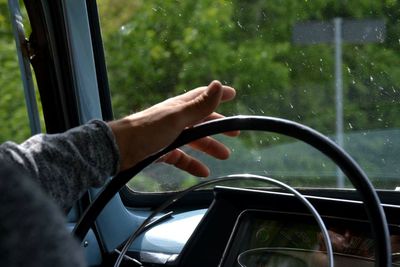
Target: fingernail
214,88
214,83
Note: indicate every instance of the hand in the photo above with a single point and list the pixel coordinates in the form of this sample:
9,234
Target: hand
144,133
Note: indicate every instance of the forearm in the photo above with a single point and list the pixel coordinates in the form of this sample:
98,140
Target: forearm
68,164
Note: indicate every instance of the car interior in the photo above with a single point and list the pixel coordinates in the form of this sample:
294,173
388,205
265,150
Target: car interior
313,179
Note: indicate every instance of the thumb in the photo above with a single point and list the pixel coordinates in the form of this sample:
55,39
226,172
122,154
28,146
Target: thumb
203,105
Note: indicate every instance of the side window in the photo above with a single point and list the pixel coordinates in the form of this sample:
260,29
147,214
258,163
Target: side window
14,117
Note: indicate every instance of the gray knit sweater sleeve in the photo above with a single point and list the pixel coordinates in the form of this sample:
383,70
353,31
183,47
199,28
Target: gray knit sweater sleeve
67,164
32,228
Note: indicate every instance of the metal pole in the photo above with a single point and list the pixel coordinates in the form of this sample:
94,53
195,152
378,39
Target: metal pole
24,65
339,92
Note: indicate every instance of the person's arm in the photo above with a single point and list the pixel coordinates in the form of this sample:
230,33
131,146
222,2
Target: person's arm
32,228
67,164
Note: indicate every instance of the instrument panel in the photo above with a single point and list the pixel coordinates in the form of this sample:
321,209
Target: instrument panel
245,227
262,238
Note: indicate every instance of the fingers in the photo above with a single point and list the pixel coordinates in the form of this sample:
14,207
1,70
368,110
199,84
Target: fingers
202,105
205,100
215,116
187,163
196,105
212,147
228,93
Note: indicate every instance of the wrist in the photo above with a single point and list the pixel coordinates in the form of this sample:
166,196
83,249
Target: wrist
125,131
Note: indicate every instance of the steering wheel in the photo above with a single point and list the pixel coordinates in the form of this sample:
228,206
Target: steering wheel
301,132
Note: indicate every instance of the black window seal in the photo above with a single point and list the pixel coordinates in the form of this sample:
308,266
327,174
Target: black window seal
52,65
99,60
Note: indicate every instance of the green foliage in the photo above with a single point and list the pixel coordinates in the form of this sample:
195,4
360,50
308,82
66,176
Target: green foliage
156,49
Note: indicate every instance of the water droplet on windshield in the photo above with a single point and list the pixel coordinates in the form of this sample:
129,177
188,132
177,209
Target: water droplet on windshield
350,125
126,29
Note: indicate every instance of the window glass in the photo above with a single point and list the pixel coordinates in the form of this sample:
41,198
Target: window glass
13,113
284,61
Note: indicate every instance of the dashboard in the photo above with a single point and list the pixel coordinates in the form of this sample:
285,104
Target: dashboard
245,227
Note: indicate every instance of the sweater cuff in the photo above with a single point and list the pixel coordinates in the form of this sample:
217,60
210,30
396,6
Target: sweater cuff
111,143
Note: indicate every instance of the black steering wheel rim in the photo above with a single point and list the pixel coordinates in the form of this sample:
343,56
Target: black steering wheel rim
301,132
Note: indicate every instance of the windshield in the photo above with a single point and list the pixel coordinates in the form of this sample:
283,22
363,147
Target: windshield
333,66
